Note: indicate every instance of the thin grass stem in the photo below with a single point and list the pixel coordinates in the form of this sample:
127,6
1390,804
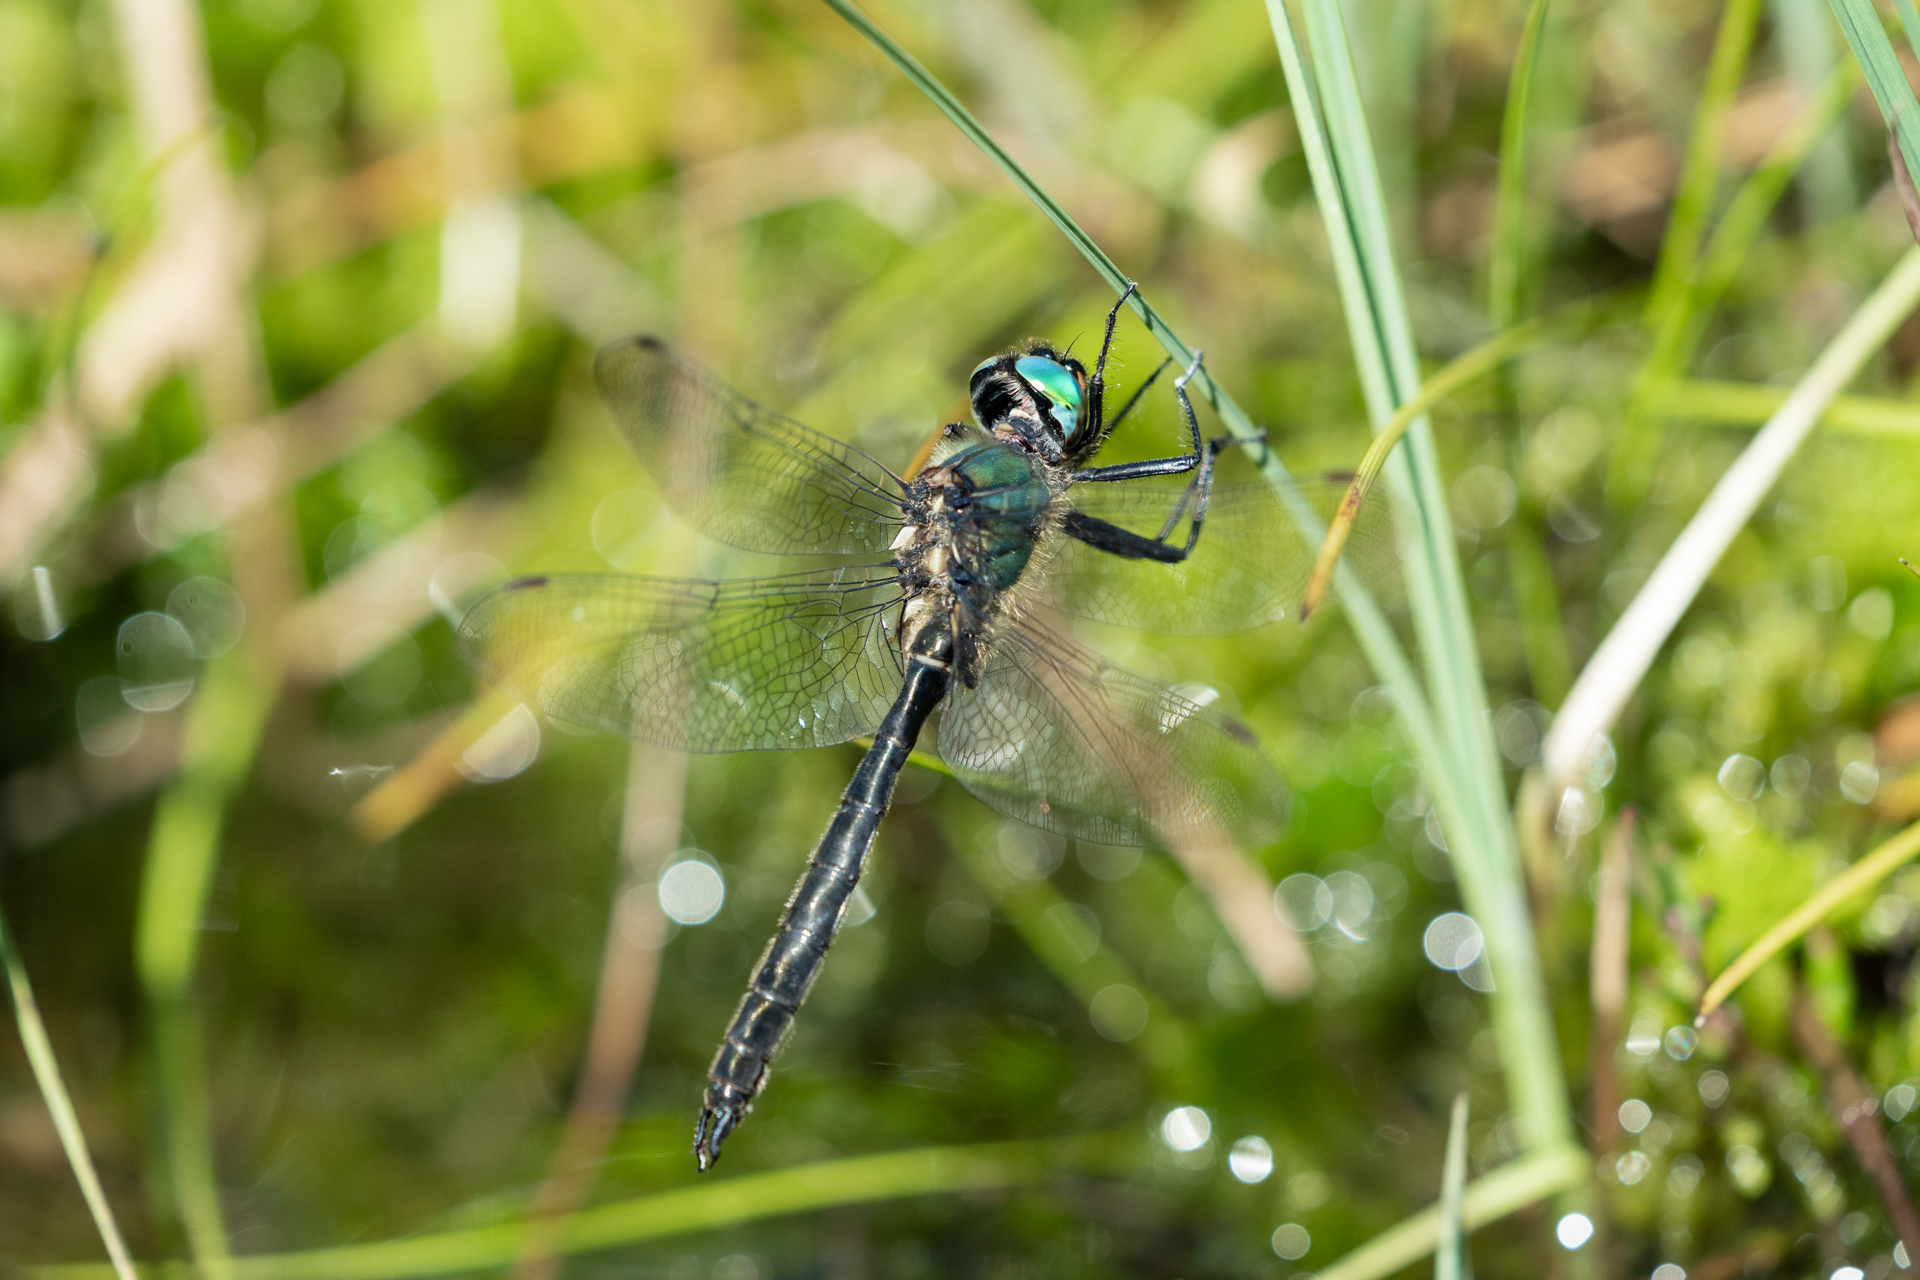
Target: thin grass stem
224,723
1856,879
1506,272
1506,1190
46,1073
1453,1186
1746,404
1670,302
1460,372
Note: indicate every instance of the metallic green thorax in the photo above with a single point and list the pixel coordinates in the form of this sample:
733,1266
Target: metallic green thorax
1007,497
982,508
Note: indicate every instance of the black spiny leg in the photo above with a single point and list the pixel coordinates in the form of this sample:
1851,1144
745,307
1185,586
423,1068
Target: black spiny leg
1123,542
1157,466
1097,389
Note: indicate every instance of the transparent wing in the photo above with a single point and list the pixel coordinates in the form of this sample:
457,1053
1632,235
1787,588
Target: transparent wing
1057,736
1249,568
742,474
803,660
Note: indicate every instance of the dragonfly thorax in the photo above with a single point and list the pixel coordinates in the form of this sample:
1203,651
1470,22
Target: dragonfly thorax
977,516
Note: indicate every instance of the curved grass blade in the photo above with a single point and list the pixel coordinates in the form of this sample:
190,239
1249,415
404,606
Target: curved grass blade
1473,364
1856,879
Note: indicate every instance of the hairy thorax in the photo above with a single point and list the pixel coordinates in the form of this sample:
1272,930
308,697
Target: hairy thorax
984,505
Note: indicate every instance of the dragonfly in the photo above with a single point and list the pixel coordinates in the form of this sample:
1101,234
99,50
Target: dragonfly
936,602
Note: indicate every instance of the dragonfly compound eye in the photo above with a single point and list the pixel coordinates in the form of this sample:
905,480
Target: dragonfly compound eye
1057,388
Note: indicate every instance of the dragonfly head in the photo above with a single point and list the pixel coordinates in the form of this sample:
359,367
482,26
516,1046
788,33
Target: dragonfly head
1045,388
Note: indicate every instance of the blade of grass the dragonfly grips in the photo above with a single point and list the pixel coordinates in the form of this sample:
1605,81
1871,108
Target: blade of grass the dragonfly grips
710,1205
1087,967
1849,884
1506,272
1453,1185
224,722
1860,23
1506,1190
1463,772
46,1074
962,119
1624,656
1670,301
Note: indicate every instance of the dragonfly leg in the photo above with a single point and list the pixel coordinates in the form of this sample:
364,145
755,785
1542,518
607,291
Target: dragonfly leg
1176,466
1097,389
1123,542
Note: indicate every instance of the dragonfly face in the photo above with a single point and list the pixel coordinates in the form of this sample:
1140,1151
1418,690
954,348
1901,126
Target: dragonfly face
1039,397
916,619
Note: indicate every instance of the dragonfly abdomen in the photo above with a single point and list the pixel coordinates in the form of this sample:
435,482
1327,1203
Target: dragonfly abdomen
792,960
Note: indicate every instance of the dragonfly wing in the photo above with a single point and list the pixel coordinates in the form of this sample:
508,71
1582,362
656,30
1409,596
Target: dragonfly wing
802,660
1249,568
743,474
1056,736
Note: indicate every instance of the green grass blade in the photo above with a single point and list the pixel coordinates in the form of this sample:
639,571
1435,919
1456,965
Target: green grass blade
1746,404
1860,23
1453,1186
1506,1190
712,1204
1670,303
1752,205
46,1073
1849,884
1507,273
1463,772
223,729
1543,636
1694,298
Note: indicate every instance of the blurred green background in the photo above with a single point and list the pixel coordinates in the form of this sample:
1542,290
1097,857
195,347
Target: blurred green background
297,307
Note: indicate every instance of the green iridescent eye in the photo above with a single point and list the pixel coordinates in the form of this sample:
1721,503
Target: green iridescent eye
1051,379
